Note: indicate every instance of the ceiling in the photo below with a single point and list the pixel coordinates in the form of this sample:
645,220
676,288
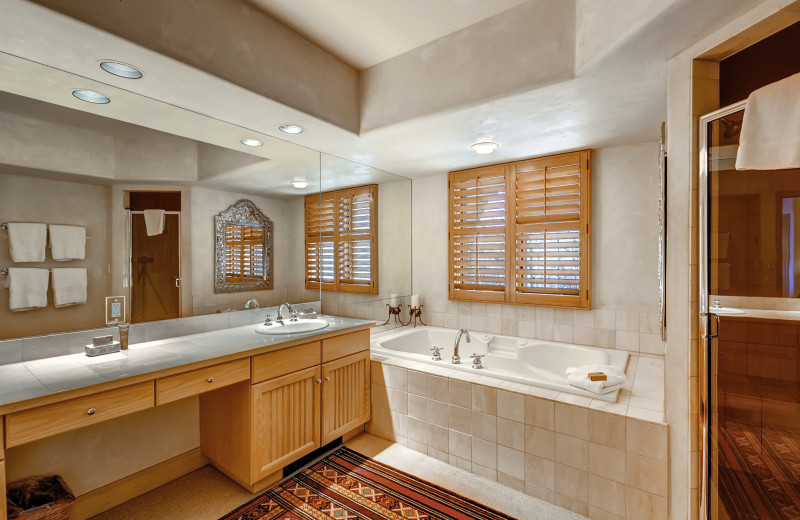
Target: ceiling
366,32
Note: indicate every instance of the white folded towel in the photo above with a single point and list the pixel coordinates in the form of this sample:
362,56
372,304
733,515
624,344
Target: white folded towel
770,137
27,288
67,242
579,377
27,241
154,221
69,286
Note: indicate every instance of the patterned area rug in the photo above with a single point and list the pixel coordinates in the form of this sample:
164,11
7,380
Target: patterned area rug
347,486
759,472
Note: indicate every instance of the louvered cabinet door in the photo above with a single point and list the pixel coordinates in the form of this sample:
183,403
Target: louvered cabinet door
286,413
345,395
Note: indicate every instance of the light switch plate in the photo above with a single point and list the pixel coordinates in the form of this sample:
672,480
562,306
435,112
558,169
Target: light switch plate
115,310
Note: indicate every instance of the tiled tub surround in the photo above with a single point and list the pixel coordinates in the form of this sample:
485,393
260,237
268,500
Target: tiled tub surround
53,345
604,460
521,360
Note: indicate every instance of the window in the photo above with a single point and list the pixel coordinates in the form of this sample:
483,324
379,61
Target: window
342,241
520,232
244,253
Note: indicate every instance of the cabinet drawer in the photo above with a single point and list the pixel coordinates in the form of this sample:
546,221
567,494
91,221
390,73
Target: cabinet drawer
31,425
341,346
285,361
201,380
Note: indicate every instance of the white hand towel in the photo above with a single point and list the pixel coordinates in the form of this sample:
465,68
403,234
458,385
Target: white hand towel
579,378
67,242
27,288
154,221
770,137
27,241
69,286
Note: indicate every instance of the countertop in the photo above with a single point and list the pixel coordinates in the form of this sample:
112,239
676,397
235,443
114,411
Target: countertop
762,314
45,377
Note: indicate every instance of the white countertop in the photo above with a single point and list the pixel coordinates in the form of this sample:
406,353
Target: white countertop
764,314
42,377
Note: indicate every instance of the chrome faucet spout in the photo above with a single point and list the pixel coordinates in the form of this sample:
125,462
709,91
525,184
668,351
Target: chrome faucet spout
292,313
252,301
456,358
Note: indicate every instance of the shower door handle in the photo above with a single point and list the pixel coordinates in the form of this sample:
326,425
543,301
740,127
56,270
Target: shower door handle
716,318
178,283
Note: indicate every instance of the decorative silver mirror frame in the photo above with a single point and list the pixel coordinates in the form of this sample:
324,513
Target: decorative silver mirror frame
243,213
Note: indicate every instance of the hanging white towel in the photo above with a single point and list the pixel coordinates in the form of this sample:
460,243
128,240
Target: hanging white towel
27,288
579,378
69,286
67,242
154,221
770,137
27,241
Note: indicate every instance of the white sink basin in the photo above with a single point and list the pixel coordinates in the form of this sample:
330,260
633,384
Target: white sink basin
725,311
292,327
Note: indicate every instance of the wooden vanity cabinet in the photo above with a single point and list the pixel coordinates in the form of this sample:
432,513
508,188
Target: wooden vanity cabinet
345,395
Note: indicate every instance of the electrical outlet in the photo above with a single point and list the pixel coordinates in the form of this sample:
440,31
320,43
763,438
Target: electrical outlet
115,310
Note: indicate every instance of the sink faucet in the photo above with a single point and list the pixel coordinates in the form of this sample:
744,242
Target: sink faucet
456,358
253,301
291,312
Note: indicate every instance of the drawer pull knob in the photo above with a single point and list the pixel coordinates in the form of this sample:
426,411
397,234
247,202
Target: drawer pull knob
319,381
91,411
210,379
327,379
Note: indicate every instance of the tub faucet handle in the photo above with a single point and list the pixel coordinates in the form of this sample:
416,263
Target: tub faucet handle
476,360
437,356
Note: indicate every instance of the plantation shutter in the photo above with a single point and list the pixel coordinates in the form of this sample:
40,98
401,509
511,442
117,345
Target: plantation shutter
244,253
551,225
320,216
478,229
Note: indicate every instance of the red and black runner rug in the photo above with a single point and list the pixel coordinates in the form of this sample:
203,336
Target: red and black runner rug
347,486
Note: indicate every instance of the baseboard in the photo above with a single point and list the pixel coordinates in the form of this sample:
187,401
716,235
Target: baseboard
113,494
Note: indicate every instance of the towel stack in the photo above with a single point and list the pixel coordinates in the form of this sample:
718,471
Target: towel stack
579,378
27,288
27,241
69,286
67,242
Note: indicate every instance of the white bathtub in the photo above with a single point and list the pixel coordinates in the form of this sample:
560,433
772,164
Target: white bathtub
521,360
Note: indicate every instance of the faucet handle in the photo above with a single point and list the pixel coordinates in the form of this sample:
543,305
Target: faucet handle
268,321
436,354
293,316
476,363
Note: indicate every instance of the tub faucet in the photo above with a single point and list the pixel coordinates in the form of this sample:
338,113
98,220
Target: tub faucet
251,301
291,312
456,358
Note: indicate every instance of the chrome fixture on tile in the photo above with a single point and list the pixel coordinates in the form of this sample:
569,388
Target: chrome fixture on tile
253,301
292,313
437,356
476,361
456,359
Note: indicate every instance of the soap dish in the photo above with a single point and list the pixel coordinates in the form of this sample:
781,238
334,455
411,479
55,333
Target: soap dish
99,350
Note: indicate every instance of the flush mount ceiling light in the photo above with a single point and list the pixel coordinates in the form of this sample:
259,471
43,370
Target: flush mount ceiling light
121,69
251,142
299,183
485,147
90,96
291,129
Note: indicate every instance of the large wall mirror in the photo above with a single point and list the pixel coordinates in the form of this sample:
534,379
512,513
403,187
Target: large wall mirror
103,167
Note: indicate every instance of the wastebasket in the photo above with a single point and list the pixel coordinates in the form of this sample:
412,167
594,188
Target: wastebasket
42,498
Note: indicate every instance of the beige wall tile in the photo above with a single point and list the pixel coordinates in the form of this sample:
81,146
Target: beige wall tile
511,405
641,505
607,462
438,454
438,388
572,420
540,471
417,407
647,439
607,494
572,451
379,397
539,492
460,419
460,463
396,377
418,431
540,442
582,508
540,412
484,426
484,399
460,445
417,446
607,429
438,438
627,321
511,434
595,513
572,482
646,474
398,400
512,482
627,340
484,453
511,462
460,393
438,413
418,383
483,471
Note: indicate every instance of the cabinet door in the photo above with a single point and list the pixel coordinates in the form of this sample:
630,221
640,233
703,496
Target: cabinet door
286,413
345,395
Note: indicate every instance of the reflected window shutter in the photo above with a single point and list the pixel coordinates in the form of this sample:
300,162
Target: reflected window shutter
320,221
356,230
244,253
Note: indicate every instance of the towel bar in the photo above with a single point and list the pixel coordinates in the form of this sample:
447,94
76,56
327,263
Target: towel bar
4,271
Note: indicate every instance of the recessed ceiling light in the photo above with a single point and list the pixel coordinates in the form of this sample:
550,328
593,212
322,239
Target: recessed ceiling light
251,142
121,69
299,183
90,96
485,147
291,129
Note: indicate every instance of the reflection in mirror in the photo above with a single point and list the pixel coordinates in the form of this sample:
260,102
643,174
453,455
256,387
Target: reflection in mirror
243,249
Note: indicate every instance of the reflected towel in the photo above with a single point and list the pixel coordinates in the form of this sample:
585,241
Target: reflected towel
770,137
69,286
579,378
27,288
27,241
154,221
67,242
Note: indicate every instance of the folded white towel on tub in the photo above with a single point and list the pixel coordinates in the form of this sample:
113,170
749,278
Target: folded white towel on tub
27,241
27,288
69,286
579,378
67,242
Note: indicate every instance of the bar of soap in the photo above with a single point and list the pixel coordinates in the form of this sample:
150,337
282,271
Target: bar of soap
597,376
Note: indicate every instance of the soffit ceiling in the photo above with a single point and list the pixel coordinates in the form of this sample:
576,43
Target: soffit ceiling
366,32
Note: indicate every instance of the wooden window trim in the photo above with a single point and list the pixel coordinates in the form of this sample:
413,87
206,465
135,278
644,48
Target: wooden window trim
579,227
335,237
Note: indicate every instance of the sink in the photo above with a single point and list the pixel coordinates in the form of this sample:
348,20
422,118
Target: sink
293,327
725,311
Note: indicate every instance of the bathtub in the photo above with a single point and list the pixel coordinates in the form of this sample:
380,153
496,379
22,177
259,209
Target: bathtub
527,361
